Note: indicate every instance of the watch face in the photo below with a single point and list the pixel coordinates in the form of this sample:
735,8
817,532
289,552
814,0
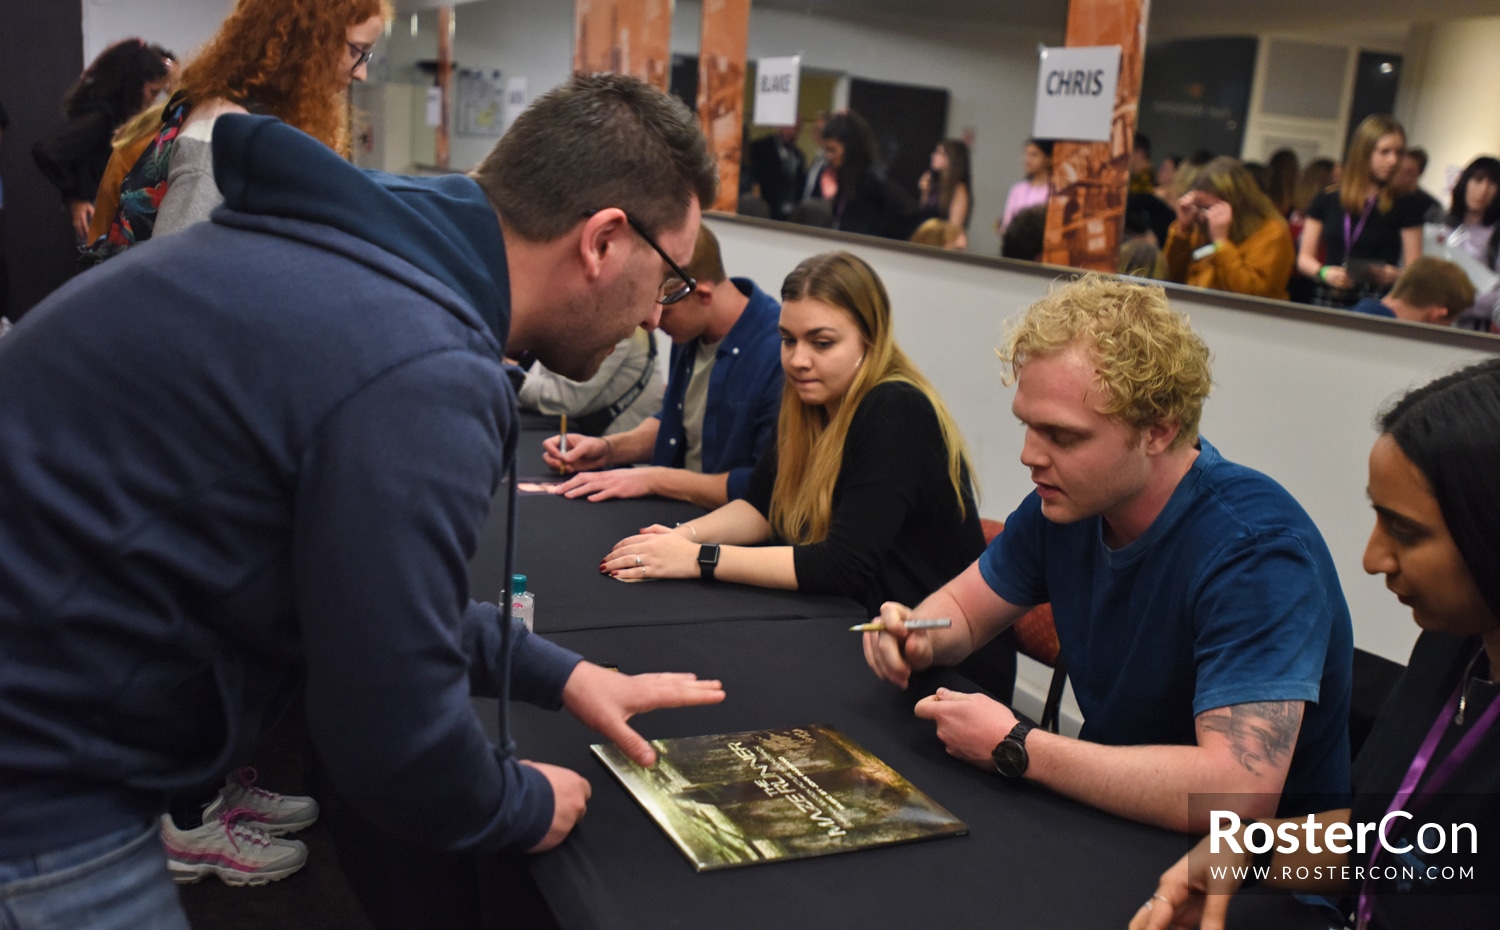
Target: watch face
1010,758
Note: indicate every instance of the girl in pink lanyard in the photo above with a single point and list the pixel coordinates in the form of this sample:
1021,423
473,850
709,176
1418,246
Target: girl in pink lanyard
1359,233
1419,846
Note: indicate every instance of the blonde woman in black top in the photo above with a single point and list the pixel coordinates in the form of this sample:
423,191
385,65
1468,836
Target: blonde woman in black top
868,494
1367,232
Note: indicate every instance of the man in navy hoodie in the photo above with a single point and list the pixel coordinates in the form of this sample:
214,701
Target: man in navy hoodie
259,456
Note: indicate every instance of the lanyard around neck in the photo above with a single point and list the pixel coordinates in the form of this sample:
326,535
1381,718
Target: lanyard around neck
1415,771
1351,238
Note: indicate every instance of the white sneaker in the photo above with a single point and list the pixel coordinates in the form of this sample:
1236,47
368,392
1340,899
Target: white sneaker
274,813
230,848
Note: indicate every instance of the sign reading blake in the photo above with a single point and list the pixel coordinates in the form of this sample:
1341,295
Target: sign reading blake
1075,93
776,82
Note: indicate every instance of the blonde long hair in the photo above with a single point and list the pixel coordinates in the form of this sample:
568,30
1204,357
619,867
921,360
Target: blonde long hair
1357,164
1227,179
809,445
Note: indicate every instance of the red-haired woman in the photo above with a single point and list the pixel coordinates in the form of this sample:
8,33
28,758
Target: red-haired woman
292,59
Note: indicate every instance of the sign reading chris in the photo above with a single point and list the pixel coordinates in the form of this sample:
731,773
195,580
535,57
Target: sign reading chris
1075,93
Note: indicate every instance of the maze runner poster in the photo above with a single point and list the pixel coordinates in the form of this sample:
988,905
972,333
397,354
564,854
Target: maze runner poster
767,795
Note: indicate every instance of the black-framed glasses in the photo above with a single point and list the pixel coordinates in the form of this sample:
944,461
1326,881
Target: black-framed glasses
362,56
674,288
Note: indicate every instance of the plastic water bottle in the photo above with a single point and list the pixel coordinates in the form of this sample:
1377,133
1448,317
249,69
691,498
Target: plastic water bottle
522,602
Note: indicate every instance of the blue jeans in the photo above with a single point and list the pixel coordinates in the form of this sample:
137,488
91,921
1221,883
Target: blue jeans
118,881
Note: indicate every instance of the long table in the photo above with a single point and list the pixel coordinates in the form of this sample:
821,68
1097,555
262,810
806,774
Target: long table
559,542
1032,859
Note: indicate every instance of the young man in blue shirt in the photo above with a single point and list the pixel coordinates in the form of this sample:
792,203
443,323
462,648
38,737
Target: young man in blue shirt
1198,610
719,413
1430,290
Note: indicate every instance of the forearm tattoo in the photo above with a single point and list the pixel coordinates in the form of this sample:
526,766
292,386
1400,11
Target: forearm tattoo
1261,734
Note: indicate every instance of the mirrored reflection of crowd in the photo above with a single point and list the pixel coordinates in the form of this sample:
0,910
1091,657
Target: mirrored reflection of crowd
1335,234
1346,235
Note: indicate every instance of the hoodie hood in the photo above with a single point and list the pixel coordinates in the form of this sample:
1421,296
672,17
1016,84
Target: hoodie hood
444,226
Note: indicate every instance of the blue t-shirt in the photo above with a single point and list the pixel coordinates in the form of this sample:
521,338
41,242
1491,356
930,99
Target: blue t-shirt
1372,306
1229,597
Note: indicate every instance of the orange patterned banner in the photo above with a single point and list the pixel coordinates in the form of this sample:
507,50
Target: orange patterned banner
721,89
625,36
1090,180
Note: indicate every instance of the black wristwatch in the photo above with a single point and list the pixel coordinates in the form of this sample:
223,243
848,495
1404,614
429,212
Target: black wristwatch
708,560
1010,753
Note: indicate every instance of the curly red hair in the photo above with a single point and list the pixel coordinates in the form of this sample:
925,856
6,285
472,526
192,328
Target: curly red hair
284,58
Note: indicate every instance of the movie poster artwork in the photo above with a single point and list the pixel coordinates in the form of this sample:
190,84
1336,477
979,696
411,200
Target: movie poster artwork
769,795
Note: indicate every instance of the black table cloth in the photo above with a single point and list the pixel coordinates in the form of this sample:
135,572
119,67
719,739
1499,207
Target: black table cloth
529,464
559,543
1032,860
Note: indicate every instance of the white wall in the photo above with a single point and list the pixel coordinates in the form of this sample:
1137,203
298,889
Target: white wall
1444,108
179,25
1296,389
520,38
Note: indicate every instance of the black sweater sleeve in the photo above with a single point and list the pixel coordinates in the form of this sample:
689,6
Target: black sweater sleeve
74,157
894,457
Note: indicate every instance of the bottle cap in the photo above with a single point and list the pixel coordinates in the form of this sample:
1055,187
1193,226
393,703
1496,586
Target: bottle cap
517,584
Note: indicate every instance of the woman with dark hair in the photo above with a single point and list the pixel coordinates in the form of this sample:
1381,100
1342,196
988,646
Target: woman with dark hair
1166,178
1032,190
1285,174
1366,231
1433,755
945,187
1228,235
868,493
1316,176
1471,220
117,85
865,201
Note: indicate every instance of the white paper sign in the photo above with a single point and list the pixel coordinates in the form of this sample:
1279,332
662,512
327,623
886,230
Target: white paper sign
434,106
515,99
1075,93
776,81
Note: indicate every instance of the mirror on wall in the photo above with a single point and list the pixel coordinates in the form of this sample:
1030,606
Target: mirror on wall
1246,81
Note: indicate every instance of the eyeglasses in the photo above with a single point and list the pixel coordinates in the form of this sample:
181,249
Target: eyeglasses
362,56
674,288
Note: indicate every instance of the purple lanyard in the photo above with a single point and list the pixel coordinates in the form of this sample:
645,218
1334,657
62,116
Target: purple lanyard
1351,238
1439,778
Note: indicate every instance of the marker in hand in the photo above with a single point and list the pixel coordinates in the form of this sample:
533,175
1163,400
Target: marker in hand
942,623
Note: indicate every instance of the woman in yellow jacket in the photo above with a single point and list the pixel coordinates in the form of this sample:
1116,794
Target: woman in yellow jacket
1229,236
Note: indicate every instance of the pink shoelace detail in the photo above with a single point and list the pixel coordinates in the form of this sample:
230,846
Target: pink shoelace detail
233,828
246,777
